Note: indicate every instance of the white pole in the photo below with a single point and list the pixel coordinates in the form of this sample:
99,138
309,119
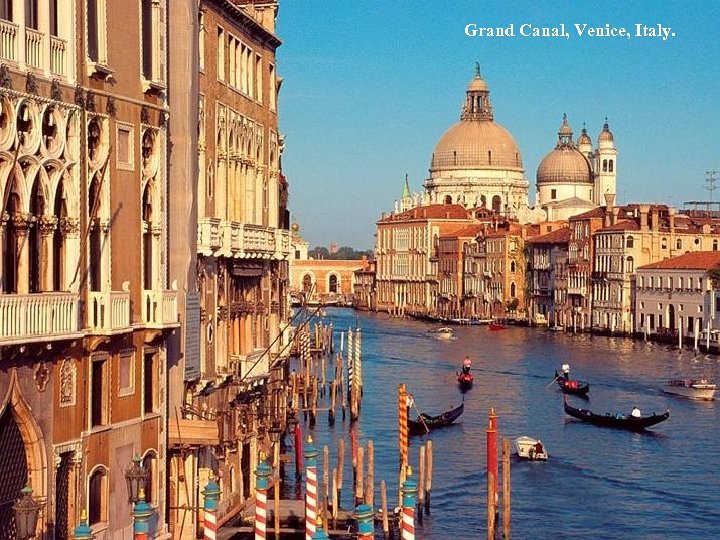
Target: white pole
708,337
647,324
697,332
680,330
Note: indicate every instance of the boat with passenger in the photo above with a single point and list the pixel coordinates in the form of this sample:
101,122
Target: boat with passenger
530,449
691,388
425,423
633,421
576,387
444,332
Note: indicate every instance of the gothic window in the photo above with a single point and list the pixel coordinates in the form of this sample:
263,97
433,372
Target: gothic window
715,245
68,377
31,14
95,240
512,267
201,40
149,464
496,203
147,217
512,290
448,199
221,53
210,181
98,496
96,37
553,194
34,240
13,239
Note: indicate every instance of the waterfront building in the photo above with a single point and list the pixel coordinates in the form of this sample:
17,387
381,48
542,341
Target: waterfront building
636,235
86,306
477,163
406,251
365,288
455,271
572,175
505,267
324,281
547,256
677,296
234,388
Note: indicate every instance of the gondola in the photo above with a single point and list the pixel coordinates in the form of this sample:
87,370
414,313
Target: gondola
424,423
618,420
465,380
572,386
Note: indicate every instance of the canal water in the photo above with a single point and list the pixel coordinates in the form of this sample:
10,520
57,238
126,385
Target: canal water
597,483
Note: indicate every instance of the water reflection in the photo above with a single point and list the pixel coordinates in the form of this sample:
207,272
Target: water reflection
598,482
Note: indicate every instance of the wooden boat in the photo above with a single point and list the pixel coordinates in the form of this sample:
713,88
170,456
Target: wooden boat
495,326
617,420
424,423
465,380
691,388
444,332
527,448
572,386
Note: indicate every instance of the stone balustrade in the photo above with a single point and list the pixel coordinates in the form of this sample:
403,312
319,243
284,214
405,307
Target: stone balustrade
159,308
8,40
108,311
48,316
242,240
58,54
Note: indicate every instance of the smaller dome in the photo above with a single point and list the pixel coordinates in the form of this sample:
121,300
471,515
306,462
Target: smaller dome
584,138
565,129
564,165
477,84
606,134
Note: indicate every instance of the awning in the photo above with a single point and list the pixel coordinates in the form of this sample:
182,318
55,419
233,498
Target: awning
186,432
248,269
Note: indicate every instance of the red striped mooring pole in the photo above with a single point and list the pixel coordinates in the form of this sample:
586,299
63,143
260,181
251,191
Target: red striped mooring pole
262,473
212,497
310,489
409,491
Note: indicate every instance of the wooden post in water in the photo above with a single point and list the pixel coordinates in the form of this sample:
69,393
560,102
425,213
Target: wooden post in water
402,425
697,334
403,472
331,409
276,490
428,474
360,476
340,467
680,334
326,483
350,366
708,338
334,496
313,399
421,486
298,451
370,484
490,507
492,467
384,506
506,488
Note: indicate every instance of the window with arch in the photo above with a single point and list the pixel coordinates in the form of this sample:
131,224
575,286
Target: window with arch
629,242
663,243
610,165
512,290
678,243
307,283
149,463
605,165
448,199
496,203
715,245
512,266
333,283
98,496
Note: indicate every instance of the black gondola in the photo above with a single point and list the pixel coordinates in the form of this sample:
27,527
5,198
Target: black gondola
424,423
465,380
572,386
618,420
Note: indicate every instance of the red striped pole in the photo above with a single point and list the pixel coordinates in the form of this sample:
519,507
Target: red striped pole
409,491
212,497
310,489
262,473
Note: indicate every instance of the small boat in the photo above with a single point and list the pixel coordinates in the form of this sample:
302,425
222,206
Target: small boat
691,388
476,321
494,326
572,386
444,332
531,449
618,420
424,423
465,380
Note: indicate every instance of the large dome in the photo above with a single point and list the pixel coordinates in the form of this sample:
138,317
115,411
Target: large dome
476,144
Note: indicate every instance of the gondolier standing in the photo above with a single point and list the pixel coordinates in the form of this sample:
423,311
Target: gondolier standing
409,402
467,363
566,370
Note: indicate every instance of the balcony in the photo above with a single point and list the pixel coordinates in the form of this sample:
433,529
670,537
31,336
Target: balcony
209,237
8,40
57,56
33,48
159,308
108,312
246,366
579,291
28,318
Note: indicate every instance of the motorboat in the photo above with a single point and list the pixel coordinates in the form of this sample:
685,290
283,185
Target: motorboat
444,332
530,449
691,388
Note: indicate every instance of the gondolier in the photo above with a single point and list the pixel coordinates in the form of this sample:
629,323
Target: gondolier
467,364
566,370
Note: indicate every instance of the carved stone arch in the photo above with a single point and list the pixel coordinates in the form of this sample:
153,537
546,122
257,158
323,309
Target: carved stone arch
27,121
98,141
150,154
71,147
102,195
32,436
64,181
7,123
15,183
52,131
150,203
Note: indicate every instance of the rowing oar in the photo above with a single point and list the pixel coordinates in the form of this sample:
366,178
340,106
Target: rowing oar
420,416
553,381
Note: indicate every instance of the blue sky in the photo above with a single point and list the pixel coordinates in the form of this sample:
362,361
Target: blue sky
370,87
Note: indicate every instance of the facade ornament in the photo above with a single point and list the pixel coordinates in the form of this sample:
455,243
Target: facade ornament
31,85
110,107
90,101
5,79
41,376
47,225
104,225
70,226
21,222
68,378
79,96
163,118
144,115
55,92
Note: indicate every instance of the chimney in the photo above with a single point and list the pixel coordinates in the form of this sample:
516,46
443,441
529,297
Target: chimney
608,213
654,219
644,209
671,217
609,200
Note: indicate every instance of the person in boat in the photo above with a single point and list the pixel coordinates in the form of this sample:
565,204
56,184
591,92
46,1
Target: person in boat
566,371
636,413
467,363
539,448
409,403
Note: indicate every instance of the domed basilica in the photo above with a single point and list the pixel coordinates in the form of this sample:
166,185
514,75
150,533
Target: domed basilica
478,164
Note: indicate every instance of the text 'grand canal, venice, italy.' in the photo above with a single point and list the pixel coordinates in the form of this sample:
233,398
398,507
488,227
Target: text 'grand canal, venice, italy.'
276,269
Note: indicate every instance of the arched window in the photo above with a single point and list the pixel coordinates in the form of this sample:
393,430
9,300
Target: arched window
715,245
512,290
512,266
610,166
496,203
630,265
678,243
605,165
307,283
148,464
629,242
448,199
663,243
97,496
333,283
